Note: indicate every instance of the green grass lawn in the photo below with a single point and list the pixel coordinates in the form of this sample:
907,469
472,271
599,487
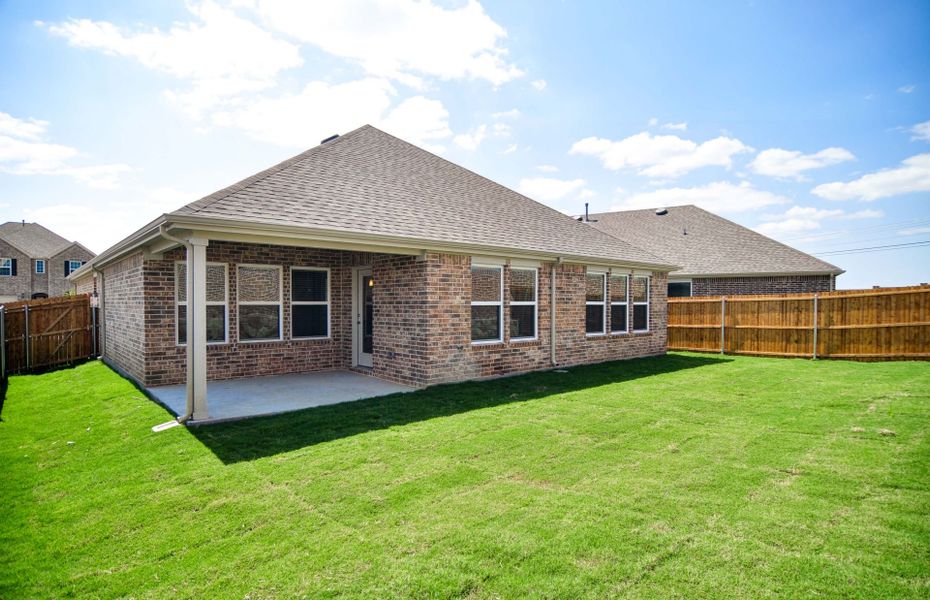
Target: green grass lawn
687,475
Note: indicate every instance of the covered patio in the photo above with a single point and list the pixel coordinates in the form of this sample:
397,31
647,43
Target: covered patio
273,394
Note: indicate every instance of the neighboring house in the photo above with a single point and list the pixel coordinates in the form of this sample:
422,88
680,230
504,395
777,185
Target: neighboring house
718,257
35,262
369,253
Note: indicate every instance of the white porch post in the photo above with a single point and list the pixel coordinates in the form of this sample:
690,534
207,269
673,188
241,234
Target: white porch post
197,327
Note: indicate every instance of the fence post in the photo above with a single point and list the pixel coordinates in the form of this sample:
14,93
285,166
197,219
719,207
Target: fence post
814,353
723,324
3,343
26,335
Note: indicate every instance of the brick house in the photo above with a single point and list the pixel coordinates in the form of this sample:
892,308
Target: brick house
35,262
718,257
368,253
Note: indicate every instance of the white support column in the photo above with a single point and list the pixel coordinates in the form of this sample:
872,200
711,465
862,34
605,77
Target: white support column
197,328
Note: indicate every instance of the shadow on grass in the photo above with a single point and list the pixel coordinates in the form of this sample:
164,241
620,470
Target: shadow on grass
259,437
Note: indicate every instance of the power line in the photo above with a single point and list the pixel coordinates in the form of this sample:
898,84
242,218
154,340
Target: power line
828,234
868,249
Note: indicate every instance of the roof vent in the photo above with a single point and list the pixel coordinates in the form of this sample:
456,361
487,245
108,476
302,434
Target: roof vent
329,139
661,211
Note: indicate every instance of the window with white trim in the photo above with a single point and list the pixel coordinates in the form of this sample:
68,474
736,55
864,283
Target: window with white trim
259,299
487,291
72,265
595,303
619,303
524,286
640,303
309,303
40,266
6,267
217,302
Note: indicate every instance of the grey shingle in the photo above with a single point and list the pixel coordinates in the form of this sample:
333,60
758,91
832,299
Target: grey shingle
370,182
705,244
33,239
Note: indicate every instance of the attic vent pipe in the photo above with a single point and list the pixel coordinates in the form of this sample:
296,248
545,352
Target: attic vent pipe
661,211
329,139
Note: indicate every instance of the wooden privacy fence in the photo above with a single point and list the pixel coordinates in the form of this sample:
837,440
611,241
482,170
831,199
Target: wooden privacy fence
879,324
40,334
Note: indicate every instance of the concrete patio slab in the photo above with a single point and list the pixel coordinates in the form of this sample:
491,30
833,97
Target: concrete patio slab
239,398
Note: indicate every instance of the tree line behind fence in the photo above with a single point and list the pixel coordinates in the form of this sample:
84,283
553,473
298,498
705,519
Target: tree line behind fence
41,334
878,324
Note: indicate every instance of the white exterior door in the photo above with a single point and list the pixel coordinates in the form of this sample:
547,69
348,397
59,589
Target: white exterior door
363,326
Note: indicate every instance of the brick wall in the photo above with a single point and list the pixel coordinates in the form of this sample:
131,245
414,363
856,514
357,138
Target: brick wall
18,287
422,320
166,361
57,282
124,315
87,284
452,356
734,286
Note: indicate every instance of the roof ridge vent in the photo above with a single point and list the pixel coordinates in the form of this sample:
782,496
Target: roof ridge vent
661,211
329,139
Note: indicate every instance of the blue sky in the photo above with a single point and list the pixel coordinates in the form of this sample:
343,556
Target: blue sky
808,121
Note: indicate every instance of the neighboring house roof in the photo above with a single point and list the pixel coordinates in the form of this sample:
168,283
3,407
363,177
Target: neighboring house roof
33,240
705,244
368,182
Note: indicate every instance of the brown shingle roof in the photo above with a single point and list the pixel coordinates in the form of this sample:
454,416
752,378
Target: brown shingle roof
370,182
32,239
712,245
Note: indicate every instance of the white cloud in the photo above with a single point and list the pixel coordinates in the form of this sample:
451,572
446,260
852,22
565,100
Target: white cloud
319,110
907,89
100,224
791,164
675,126
653,121
921,131
717,197
472,139
513,113
586,194
661,156
547,168
914,231
28,129
548,189
539,85
912,176
399,39
222,55
799,219
24,152
510,149
419,120
501,129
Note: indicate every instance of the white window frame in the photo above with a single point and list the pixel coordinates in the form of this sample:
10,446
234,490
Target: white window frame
71,265
240,303
40,266
690,286
6,264
646,303
224,304
499,304
534,303
327,303
602,303
625,304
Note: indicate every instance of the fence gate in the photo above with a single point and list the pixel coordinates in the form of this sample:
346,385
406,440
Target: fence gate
37,335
